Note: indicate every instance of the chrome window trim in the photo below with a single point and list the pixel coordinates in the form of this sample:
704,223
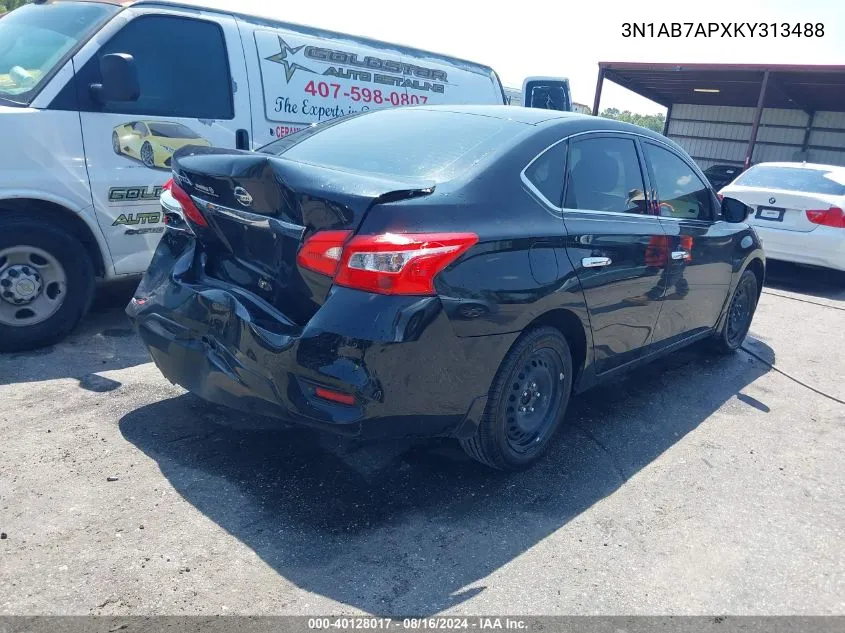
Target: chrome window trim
560,209
530,185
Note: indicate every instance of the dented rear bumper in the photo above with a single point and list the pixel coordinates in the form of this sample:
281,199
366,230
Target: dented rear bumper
397,356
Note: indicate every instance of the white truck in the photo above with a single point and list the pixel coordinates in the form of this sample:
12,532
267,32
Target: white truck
95,96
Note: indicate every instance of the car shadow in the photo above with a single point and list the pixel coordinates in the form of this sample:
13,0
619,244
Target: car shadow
104,341
816,282
414,527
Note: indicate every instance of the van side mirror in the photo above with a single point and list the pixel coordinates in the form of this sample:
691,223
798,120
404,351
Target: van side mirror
120,79
734,211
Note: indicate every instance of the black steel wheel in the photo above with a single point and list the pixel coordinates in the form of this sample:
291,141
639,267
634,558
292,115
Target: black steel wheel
740,314
527,402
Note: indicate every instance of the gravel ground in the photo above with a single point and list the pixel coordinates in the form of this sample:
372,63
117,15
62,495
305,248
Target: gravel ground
698,485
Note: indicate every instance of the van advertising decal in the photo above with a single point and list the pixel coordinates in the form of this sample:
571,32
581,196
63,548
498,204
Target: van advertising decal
153,142
307,80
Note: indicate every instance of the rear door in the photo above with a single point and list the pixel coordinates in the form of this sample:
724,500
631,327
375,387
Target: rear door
698,277
193,92
618,250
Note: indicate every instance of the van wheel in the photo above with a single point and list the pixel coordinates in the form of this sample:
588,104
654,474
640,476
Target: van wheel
46,283
740,313
147,156
526,403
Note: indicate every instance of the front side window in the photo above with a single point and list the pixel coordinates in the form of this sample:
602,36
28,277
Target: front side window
35,38
681,192
183,69
171,130
603,174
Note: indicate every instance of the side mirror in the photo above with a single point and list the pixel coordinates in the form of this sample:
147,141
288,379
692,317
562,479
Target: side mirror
120,79
734,211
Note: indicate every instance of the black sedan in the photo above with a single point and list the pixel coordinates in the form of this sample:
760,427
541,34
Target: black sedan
453,271
722,175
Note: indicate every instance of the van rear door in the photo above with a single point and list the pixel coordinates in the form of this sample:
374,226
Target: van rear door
193,84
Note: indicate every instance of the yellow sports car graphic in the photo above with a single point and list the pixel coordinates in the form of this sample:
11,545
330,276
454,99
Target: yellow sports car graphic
153,142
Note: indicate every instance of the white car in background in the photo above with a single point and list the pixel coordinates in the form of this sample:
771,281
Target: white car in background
797,210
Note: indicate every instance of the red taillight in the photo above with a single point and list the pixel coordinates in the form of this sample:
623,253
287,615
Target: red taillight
400,264
167,185
390,263
321,252
188,207
834,216
334,396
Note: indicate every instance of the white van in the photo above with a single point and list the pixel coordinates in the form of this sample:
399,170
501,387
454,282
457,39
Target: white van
95,96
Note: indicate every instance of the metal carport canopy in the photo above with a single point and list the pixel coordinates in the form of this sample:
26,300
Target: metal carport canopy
810,88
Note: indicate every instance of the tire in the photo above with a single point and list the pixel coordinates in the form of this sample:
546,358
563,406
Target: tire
147,155
20,234
739,316
507,438
115,143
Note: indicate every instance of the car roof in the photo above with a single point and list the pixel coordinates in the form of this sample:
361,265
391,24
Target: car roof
530,116
271,15
564,122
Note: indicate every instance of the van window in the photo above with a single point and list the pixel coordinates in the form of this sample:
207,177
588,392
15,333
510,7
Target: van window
412,142
36,38
183,69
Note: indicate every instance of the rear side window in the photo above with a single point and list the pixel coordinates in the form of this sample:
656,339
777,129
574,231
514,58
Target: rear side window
182,65
794,179
413,143
682,194
603,174
545,173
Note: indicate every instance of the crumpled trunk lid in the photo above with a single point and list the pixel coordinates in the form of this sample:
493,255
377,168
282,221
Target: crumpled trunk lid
261,208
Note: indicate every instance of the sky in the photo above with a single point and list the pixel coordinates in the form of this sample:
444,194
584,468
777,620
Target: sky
559,38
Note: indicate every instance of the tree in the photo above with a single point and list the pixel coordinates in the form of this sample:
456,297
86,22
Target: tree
8,5
651,121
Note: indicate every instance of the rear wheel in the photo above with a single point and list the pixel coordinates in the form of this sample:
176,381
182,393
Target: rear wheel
740,313
526,403
46,283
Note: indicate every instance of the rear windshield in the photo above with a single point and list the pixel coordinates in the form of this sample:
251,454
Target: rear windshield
803,179
34,39
411,142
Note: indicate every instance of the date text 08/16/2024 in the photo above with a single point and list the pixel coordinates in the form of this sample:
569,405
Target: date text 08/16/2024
417,624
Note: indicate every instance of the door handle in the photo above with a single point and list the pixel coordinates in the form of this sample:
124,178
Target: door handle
595,262
242,139
680,255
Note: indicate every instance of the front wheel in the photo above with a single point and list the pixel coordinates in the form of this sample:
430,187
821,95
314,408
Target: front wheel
46,283
740,313
147,155
527,402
